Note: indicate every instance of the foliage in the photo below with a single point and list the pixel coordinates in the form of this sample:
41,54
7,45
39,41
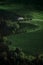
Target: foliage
17,57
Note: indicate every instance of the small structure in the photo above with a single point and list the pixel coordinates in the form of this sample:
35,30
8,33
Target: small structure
20,18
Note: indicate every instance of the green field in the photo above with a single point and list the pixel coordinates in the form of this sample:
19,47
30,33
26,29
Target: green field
32,41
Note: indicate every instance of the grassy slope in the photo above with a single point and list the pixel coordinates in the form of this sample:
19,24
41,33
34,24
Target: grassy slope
30,42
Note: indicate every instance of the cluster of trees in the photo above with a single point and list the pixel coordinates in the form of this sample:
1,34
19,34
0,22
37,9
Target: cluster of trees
17,57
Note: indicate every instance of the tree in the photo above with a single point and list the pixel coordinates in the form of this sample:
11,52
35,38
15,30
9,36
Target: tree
5,30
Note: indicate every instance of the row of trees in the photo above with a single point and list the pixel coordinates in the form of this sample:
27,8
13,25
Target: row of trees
17,57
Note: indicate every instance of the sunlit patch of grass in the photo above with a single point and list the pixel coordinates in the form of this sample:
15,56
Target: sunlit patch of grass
37,15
